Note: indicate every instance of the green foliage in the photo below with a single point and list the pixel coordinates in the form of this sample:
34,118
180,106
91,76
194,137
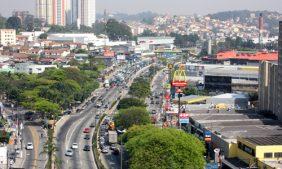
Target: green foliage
50,110
132,116
13,23
149,33
154,148
140,88
117,30
185,40
130,102
43,36
190,90
2,22
99,28
59,87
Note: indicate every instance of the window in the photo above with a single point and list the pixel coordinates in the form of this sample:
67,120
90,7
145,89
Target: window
268,155
278,155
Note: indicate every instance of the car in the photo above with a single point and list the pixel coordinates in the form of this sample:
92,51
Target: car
74,146
86,148
69,152
157,102
154,111
105,150
92,125
115,151
29,146
86,130
113,147
87,137
152,102
97,116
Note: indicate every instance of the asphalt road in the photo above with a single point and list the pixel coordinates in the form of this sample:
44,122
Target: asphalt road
34,158
29,156
72,132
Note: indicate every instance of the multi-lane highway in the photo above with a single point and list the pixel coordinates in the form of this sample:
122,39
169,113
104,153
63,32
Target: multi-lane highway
71,129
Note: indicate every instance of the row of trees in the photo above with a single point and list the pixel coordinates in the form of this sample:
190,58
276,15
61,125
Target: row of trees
114,29
28,24
49,92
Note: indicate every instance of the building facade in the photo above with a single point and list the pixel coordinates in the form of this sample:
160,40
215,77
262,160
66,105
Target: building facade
87,16
268,86
279,79
45,11
7,37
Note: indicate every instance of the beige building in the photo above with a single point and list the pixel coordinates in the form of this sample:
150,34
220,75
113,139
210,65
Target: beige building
7,37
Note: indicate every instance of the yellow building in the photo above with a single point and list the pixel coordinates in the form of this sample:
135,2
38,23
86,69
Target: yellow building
265,151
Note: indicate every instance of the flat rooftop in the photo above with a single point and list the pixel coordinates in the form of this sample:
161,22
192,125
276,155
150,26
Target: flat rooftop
274,140
232,124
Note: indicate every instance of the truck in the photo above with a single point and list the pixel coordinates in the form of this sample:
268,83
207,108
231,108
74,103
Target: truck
106,83
112,137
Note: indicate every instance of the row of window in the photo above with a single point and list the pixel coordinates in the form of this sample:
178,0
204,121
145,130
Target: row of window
246,149
270,155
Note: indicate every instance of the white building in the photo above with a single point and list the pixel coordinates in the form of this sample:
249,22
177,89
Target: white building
31,36
87,12
7,37
83,38
152,43
44,10
3,157
31,68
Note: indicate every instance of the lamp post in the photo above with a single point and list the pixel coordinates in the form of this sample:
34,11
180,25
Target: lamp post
179,92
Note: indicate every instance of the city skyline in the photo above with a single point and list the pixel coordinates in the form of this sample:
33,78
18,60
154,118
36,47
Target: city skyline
182,7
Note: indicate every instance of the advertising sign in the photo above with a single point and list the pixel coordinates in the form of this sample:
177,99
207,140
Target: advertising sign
183,118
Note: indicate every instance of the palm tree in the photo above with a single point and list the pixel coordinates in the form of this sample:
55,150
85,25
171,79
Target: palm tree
49,149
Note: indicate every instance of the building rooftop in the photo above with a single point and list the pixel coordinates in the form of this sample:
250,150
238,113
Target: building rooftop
254,56
261,141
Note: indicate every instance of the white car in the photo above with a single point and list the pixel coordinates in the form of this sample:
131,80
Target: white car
69,153
105,150
29,146
74,146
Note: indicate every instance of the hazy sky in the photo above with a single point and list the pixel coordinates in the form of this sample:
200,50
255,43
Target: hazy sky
161,6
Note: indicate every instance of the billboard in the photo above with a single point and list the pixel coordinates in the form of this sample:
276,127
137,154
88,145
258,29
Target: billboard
183,118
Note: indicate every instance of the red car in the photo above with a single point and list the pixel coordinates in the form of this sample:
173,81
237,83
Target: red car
86,130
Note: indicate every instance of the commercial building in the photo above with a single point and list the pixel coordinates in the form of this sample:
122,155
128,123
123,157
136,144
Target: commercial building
154,43
87,12
30,68
7,37
268,87
279,79
45,11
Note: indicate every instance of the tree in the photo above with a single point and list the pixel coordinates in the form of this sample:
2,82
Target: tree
151,147
43,36
49,109
132,116
140,88
130,102
149,33
99,28
13,23
2,22
117,30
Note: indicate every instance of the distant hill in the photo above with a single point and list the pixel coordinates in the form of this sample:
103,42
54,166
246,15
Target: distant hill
143,16
271,19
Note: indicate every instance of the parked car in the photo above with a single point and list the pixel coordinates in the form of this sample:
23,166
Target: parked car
29,146
105,150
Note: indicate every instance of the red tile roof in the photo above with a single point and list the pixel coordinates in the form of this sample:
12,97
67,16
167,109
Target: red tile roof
258,56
